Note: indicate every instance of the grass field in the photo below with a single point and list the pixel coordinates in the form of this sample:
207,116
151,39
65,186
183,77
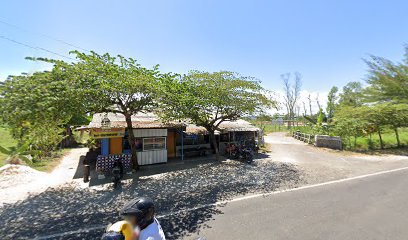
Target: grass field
388,137
270,128
6,140
45,164
49,163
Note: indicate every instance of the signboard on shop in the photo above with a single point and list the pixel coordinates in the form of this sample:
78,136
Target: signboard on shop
108,133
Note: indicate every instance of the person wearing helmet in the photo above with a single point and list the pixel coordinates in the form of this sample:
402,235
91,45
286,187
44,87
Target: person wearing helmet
121,230
140,213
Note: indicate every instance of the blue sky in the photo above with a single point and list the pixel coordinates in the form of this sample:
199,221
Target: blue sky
324,40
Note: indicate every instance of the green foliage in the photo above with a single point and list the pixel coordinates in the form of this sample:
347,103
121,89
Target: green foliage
304,129
387,81
331,102
116,84
45,138
208,99
379,108
348,123
16,155
43,99
352,95
264,122
7,141
320,117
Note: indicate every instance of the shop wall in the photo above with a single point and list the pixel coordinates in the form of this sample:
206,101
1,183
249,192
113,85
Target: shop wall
171,144
115,146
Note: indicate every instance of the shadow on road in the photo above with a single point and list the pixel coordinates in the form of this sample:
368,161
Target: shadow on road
70,208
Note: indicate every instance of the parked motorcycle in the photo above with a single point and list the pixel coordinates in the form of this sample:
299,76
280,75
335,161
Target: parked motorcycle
242,153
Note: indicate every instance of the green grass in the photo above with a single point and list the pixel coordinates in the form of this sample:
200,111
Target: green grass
388,137
45,164
363,143
6,140
49,163
303,129
269,127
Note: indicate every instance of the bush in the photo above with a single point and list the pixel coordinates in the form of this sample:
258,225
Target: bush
45,138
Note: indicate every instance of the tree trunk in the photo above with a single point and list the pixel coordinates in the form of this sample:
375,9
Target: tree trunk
370,142
290,119
132,140
214,143
397,136
381,141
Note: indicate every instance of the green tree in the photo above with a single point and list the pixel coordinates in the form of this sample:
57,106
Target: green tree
352,95
395,116
388,81
118,85
348,122
377,120
29,101
331,102
208,99
320,117
45,136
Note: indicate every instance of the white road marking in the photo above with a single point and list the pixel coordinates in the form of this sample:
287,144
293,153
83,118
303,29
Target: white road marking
237,200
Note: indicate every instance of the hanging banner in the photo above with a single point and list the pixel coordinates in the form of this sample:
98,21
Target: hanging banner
108,133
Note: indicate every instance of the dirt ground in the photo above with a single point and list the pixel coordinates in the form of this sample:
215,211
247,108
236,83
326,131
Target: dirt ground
17,182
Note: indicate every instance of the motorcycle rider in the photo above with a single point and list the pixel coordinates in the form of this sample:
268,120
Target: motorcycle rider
121,230
140,213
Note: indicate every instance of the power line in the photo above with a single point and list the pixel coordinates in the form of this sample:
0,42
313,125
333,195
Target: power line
36,48
43,35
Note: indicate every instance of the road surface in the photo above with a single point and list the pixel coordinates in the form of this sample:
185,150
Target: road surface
374,207
322,165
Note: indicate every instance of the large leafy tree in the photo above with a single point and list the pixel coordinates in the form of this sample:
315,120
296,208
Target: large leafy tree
395,116
208,99
29,102
388,81
348,122
116,84
352,95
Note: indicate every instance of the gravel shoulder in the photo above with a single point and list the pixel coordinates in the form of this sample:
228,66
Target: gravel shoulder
18,182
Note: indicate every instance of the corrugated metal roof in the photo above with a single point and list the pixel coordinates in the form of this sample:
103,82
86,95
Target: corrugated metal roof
141,120
237,126
150,120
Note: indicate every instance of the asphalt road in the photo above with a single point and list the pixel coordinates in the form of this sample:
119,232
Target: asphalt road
374,207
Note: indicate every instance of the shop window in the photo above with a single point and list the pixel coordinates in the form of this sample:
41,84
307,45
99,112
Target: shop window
157,143
126,146
139,144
